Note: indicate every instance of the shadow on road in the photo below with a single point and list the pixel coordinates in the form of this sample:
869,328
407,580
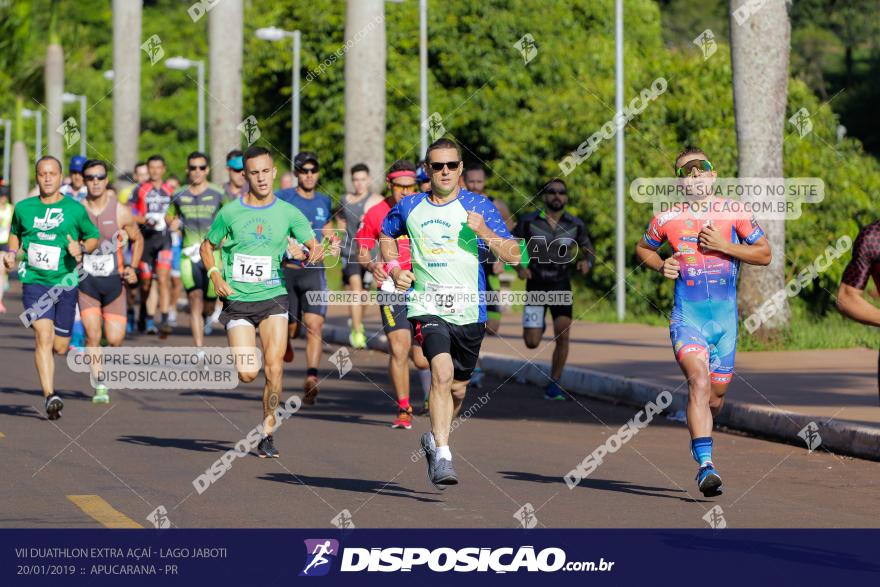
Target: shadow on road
194,444
605,485
388,488
25,411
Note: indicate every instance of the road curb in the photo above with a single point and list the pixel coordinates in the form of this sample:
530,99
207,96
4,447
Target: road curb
781,425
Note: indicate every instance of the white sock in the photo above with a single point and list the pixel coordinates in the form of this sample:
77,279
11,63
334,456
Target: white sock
425,380
443,452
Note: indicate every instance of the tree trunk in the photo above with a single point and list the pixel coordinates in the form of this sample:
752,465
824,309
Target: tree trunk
126,83
365,88
19,167
759,50
54,87
225,45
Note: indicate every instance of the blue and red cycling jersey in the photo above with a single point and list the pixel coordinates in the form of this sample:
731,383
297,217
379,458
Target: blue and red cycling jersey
704,313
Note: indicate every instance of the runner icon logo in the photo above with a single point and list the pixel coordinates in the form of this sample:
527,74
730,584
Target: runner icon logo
810,434
319,556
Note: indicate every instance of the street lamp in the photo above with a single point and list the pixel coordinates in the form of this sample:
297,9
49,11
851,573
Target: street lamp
38,141
423,73
7,135
69,98
182,63
276,34
620,259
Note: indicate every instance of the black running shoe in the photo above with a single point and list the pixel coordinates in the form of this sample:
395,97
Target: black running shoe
266,449
54,405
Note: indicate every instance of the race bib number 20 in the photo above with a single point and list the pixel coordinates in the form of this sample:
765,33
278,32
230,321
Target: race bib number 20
251,268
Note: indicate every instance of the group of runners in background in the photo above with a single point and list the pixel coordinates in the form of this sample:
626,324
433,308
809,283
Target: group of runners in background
253,258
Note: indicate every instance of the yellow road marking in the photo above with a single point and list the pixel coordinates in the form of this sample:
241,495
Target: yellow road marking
103,512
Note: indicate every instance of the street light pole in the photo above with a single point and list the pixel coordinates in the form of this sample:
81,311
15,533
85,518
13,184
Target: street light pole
182,63
423,74
294,123
201,69
7,136
38,134
620,177
276,34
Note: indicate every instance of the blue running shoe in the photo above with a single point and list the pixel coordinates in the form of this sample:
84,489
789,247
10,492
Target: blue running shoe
151,327
708,480
554,392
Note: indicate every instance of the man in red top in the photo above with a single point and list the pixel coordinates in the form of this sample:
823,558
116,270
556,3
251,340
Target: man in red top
149,203
401,180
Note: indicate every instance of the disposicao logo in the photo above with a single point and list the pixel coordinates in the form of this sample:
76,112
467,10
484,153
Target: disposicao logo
320,553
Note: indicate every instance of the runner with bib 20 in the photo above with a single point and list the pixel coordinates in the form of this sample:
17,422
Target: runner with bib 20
451,231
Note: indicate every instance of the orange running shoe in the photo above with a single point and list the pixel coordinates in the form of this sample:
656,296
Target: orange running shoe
404,419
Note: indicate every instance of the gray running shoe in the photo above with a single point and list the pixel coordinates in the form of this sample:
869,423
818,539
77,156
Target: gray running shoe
440,471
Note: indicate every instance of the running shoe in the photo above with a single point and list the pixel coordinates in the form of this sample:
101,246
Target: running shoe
553,392
426,409
310,387
708,480
358,339
288,354
102,395
404,419
150,327
54,405
266,449
164,329
440,471
477,378
172,317
129,323
208,328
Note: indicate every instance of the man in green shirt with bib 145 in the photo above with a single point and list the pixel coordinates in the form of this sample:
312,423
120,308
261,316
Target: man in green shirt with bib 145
48,228
253,230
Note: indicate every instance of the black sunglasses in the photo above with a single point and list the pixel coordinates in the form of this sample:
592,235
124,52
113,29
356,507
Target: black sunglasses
94,177
308,170
452,165
199,167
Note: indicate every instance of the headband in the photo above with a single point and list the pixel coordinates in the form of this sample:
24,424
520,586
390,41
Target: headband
401,173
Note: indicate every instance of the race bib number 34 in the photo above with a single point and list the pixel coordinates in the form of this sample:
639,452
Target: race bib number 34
251,268
43,257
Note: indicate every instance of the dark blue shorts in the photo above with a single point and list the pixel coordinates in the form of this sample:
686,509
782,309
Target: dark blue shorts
54,302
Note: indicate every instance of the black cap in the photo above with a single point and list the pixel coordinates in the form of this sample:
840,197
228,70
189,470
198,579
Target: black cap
303,158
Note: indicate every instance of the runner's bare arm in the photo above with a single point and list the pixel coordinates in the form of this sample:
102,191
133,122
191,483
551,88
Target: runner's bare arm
316,250
125,220
649,257
755,254
853,305
9,256
206,251
507,249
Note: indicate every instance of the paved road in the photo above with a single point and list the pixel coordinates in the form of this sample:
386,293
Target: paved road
113,465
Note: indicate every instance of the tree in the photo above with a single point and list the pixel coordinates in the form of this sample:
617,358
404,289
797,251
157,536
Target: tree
20,167
365,88
54,83
127,82
759,50
225,45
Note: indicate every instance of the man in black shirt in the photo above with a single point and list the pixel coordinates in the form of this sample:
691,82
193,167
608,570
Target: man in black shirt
556,241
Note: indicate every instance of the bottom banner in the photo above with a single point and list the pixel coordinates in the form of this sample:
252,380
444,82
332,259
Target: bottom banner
362,556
